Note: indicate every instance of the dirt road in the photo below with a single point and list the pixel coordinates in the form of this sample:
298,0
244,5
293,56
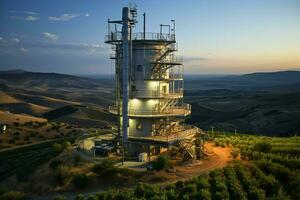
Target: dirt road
217,157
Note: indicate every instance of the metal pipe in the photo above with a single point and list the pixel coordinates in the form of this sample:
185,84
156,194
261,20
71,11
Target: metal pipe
125,64
144,27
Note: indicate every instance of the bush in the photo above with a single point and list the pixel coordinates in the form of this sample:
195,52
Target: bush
80,181
106,168
203,194
264,147
162,163
60,197
13,195
80,197
57,148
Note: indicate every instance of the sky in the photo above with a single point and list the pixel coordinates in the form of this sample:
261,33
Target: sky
214,36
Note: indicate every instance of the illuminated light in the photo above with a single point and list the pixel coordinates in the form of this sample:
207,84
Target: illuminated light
153,84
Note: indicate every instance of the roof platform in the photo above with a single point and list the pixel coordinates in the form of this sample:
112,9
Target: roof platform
167,140
116,38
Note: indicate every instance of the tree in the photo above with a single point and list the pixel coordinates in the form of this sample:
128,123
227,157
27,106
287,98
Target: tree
162,163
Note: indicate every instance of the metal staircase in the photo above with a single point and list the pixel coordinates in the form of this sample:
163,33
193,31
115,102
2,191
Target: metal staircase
159,62
185,149
169,104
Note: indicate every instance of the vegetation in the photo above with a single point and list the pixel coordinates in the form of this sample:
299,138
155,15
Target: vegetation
23,161
162,163
269,169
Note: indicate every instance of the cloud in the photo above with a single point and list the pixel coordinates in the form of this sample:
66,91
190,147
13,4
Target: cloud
50,36
16,40
87,14
22,49
31,18
195,59
30,13
1,38
64,17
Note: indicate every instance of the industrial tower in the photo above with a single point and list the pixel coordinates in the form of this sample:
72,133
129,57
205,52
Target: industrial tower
149,91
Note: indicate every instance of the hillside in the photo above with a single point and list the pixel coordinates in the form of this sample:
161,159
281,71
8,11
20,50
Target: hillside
40,94
259,103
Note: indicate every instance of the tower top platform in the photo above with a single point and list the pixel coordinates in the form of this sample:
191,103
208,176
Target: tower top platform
116,37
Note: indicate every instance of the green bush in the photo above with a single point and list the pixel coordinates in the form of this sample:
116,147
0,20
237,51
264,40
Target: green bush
203,194
263,147
162,163
57,148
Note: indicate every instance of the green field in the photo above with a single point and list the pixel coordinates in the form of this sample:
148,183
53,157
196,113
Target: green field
264,168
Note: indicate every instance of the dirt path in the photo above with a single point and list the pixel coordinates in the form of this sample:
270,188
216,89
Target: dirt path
217,157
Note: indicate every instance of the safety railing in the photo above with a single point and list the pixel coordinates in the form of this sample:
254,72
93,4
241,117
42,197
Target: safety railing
175,60
157,94
117,36
164,76
186,133
183,110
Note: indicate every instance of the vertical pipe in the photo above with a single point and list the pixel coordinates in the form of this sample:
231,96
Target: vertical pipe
144,27
125,64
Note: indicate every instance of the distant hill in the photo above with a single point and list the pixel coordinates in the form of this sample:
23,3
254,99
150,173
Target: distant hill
48,79
281,77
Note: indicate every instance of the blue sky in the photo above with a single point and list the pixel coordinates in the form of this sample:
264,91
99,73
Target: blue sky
214,36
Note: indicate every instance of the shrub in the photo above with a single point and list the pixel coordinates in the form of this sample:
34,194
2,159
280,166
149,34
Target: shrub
57,148
264,147
60,197
80,181
79,197
105,168
162,163
13,195
203,194
66,145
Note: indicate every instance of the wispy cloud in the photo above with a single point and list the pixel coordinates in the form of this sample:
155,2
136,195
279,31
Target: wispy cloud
87,14
64,17
50,36
22,49
31,18
195,59
1,38
30,13
16,40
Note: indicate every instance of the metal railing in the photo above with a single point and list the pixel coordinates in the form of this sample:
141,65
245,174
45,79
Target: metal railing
183,110
178,60
185,133
117,36
157,94
163,76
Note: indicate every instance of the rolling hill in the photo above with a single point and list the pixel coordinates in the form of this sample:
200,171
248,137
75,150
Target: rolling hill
259,103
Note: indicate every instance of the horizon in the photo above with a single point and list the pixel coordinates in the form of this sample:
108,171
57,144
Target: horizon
186,74
226,37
